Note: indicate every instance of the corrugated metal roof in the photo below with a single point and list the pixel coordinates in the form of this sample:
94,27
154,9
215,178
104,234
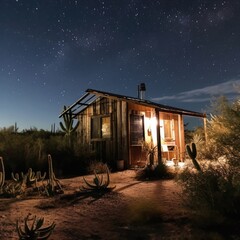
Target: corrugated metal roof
92,94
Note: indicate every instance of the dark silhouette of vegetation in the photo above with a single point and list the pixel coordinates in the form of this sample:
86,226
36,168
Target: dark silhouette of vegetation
33,229
212,192
30,148
98,184
192,152
154,172
67,126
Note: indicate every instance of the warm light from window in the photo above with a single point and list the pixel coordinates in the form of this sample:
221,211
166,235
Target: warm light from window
181,164
169,163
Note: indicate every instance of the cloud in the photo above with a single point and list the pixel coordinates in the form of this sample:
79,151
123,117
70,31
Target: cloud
204,94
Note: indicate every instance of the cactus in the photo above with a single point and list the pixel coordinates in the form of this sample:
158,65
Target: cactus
31,178
13,189
98,183
39,176
68,127
2,176
68,121
193,154
15,177
53,184
28,179
35,231
8,189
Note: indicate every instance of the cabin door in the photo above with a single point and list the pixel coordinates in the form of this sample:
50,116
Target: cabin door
172,136
137,157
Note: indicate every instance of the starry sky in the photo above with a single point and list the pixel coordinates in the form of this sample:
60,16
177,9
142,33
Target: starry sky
51,51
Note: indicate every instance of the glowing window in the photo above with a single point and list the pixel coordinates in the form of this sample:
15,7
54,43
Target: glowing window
100,127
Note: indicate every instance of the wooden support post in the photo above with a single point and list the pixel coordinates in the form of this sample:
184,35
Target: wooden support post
205,128
158,136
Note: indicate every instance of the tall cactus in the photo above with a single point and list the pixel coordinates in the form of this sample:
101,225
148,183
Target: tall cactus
193,154
53,184
2,175
68,127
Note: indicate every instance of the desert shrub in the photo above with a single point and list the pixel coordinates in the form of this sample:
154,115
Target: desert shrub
223,129
214,189
97,166
153,172
29,149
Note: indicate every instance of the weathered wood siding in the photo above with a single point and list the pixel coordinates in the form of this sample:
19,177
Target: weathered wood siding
118,145
107,149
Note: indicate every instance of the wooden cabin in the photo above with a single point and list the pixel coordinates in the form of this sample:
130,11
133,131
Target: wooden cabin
130,131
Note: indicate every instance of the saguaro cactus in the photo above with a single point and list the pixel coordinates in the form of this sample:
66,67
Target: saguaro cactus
193,154
68,127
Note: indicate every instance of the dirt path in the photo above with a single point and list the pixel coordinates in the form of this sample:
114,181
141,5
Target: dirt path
134,210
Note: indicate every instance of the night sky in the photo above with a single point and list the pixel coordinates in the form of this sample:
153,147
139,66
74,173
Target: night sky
51,51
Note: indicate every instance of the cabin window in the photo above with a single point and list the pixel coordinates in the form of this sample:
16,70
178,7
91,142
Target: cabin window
106,127
169,130
136,129
101,127
95,127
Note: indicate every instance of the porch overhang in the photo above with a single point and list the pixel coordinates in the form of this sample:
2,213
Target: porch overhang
81,104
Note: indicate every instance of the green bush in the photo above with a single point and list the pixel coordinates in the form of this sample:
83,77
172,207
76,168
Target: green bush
223,129
215,189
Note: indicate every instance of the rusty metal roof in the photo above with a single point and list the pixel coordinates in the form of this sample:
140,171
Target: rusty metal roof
91,95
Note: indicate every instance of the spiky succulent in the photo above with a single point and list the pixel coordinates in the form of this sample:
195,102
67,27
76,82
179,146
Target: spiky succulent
98,182
33,229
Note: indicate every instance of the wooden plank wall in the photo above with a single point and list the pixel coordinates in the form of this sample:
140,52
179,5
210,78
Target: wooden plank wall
117,146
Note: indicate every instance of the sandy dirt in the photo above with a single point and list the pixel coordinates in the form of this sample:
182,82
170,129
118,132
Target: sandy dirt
133,210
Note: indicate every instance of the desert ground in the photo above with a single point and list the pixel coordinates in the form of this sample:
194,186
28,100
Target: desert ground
133,210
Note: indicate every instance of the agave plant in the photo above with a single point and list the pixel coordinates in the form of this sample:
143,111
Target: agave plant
35,230
98,182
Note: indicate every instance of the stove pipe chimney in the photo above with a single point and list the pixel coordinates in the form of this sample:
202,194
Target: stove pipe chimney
141,90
